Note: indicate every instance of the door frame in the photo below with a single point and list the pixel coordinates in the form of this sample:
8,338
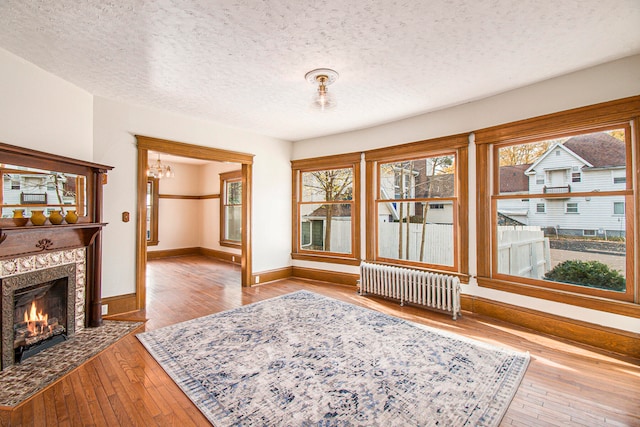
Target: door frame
146,143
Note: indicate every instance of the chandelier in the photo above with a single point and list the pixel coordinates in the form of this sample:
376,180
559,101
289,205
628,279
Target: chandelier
322,77
158,170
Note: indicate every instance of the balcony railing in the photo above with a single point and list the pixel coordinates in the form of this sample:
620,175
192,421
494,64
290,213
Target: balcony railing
556,190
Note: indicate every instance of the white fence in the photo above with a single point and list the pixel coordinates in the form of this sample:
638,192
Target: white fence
438,247
523,251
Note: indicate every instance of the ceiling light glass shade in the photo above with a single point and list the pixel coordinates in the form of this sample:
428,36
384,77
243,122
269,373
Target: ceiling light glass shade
158,170
322,77
323,100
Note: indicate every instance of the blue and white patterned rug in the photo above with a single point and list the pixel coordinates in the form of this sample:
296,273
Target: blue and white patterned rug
307,360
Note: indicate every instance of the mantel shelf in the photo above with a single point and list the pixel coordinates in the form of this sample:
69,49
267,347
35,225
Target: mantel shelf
31,227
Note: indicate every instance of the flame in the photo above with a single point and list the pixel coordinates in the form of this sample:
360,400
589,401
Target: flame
32,316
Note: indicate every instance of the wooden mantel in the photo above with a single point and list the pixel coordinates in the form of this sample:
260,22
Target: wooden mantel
31,239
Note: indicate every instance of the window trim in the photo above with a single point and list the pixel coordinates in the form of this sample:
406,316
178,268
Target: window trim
233,176
619,113
153,239
340,161
624,208
454,144
566,208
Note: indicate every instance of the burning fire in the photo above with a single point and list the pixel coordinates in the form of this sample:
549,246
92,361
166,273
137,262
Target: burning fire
36,322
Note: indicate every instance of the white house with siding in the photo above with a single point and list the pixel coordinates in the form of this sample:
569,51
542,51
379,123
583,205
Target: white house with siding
584,163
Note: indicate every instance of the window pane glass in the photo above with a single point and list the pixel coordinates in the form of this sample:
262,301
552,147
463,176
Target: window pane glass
579,163
327,185
233,223
234,193
421,178
405,233
591,244
326,227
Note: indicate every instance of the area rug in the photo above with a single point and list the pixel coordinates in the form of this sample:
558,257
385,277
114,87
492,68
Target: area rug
20,382
303,359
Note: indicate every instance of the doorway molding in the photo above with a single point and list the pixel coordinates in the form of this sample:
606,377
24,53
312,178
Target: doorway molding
146,143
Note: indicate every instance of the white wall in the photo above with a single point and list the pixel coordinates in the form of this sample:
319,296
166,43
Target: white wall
606,82
43,112
116,123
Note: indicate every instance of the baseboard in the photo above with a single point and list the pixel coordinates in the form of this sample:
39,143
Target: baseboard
221,255
263,277
326,276
610,339
119,304
167,253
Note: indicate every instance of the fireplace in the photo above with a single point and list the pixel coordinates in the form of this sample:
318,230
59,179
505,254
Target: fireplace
43,302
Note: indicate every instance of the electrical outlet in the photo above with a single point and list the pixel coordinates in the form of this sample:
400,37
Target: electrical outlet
257,279
105,309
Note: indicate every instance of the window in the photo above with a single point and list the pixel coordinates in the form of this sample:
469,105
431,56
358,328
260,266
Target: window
420,226
15,182
576,177
540,179
538,259
540,208
619,177
152,211
231,208
326,209
571,207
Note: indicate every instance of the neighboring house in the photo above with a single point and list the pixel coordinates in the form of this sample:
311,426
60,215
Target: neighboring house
592,162
416,181
514,181
23,190
314,225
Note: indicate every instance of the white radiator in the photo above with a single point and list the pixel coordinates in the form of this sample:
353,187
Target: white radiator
439,291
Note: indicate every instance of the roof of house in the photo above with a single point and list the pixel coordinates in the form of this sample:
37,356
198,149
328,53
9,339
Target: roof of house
600,149
513,179
339,210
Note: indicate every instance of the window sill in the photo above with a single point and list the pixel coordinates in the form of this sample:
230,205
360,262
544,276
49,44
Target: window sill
230,244
325,258
595,303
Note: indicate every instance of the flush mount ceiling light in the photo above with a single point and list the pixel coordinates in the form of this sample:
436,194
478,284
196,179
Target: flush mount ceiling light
158,170
322,77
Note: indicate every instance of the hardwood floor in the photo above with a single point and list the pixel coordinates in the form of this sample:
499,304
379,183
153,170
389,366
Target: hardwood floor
565,384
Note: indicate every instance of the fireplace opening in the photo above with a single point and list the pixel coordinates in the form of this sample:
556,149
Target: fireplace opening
40,317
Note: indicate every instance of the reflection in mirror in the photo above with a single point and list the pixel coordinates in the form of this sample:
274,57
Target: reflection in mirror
29,189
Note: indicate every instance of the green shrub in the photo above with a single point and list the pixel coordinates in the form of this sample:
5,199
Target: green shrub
587,273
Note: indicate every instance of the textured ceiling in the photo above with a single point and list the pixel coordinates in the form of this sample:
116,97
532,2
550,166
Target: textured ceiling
242,62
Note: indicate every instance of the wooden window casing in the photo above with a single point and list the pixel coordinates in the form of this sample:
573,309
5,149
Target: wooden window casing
226,178
617,114
456,145
298,168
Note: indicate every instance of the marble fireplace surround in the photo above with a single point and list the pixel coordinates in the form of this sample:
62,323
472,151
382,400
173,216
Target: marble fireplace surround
42,267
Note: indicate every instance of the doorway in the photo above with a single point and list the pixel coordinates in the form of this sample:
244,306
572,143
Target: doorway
146,144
